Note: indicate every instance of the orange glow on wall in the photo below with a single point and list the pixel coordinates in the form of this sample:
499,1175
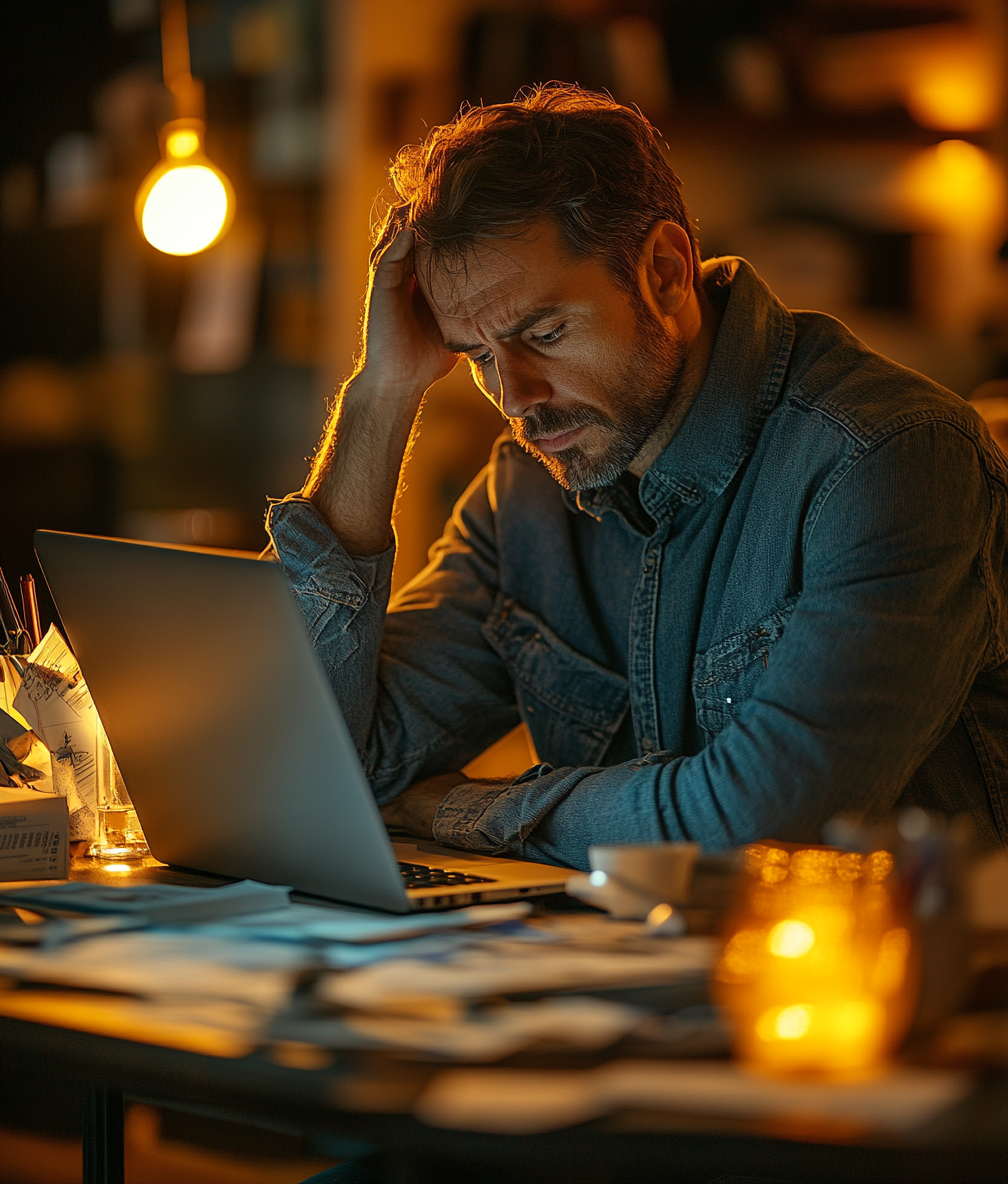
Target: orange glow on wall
954,186
955,95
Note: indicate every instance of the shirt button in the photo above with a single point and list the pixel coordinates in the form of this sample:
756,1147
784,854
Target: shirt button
647,743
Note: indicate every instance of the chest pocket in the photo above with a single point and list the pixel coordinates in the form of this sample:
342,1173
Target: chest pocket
726,673
572,705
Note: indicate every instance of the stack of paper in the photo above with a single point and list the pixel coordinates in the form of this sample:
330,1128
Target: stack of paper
432,983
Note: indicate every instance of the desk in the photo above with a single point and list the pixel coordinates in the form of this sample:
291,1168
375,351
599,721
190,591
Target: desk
361,1100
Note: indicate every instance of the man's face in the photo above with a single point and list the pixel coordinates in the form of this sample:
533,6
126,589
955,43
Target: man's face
584,369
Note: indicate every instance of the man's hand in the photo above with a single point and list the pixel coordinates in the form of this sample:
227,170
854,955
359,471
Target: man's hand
356,472
403,350
414,809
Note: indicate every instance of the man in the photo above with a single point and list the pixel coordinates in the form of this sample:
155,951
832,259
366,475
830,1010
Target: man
736,572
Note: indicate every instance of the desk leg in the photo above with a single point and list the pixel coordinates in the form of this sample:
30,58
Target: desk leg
102,1130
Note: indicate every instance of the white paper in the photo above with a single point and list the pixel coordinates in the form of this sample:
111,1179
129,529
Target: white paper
520,1102
163,965
493,1034
55,702
511,967
313,923
10,683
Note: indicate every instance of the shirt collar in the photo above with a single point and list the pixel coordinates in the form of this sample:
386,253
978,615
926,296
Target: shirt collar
742,385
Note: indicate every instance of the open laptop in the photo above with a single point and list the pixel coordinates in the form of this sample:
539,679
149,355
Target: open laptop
228,734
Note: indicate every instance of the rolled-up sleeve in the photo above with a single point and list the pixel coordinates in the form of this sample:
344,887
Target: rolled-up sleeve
420,688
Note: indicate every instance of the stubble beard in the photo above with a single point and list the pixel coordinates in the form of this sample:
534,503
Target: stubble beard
641,398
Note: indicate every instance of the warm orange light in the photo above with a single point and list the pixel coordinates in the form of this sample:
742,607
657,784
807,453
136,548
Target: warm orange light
185,203
817,974
116,867
954,95
182,143
953,186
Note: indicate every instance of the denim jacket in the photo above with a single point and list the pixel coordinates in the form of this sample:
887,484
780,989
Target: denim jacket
801,611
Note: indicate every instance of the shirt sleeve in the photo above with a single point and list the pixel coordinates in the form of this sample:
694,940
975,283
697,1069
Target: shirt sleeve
421,690
892,625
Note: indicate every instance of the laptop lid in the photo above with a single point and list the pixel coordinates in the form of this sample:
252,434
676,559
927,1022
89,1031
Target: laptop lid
221,718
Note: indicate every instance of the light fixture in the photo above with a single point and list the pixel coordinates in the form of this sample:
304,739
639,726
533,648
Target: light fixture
185,203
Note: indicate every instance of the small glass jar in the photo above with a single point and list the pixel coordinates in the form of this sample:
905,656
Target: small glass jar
819,970
120,838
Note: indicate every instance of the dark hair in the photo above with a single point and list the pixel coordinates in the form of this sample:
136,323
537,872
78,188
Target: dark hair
597,168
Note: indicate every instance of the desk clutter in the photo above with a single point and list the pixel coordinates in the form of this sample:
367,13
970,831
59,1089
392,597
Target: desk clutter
514,1021
53,745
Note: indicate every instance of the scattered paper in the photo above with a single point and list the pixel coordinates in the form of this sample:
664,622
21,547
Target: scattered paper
314,923
55,702
10,682
182,966
523,1102
156,904
513,967
487,1036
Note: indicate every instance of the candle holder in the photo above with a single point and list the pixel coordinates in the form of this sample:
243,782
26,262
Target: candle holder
819,971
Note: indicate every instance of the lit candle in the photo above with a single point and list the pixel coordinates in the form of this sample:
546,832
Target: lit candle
818,974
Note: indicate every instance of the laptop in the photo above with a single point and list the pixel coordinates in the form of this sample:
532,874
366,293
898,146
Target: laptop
229,737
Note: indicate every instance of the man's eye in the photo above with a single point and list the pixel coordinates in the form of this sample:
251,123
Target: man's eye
483,359
552,336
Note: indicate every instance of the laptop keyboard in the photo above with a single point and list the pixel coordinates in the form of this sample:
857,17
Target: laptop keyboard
418,875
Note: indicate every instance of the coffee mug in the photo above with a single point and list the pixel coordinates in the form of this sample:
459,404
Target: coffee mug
629,881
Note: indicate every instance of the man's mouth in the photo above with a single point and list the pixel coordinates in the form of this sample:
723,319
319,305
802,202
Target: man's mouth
558,441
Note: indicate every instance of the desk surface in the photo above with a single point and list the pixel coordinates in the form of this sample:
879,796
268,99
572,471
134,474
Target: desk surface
367,1097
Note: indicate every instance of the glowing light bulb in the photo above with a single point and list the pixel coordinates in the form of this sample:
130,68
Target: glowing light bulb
185,210
185,142
185,204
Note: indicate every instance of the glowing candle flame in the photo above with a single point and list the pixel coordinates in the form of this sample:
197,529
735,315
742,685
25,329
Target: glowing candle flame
790,939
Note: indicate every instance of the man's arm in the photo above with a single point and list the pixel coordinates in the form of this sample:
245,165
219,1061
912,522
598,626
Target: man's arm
355,474
438,696
891,628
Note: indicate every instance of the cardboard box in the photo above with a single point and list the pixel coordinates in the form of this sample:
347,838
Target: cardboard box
33,835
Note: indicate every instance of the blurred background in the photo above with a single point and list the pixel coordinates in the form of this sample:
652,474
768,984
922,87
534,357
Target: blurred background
853,152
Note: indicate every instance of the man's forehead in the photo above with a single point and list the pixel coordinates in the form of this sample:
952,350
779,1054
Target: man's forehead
493,273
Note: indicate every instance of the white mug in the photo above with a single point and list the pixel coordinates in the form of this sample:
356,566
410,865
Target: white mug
629,881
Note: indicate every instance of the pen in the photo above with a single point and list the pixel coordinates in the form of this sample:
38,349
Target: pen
13,633
29,602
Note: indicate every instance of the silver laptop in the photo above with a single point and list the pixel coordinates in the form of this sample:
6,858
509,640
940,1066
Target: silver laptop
228,734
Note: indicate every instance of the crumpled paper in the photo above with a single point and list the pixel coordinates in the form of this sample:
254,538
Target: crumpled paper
55,702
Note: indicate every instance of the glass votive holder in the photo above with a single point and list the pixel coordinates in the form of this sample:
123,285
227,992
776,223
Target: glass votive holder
120,838
819,971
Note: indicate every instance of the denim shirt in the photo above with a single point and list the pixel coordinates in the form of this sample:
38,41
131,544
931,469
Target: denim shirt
800,611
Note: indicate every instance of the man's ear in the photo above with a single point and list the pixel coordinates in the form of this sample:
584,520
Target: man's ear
667,266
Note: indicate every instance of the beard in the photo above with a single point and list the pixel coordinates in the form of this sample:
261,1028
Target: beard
639,399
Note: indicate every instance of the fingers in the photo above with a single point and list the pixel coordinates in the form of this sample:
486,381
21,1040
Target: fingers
392,247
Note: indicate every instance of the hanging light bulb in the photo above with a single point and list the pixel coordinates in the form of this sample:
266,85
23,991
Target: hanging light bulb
185,203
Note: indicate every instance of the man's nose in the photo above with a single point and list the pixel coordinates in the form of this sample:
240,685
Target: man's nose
522,387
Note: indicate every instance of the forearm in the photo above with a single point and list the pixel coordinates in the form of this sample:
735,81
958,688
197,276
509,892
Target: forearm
420,689
355,474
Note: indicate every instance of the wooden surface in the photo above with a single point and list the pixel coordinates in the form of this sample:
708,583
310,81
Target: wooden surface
345,1101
